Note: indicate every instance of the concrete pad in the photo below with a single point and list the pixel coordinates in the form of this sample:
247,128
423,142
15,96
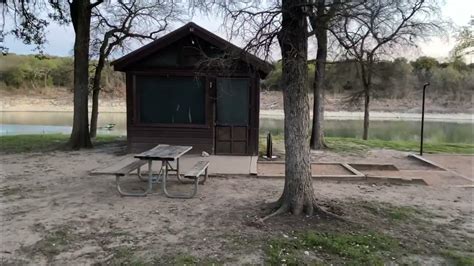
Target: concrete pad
222,164
219,164
460,164
339,171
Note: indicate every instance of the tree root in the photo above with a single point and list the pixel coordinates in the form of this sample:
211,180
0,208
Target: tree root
328,214
271,206
316,209
283,208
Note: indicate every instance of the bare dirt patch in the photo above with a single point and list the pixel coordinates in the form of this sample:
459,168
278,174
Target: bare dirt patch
53,211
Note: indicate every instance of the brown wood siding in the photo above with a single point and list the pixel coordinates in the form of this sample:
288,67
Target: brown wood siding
144,136
254,116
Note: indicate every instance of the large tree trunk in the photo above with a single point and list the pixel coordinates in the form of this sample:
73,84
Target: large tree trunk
81,18
317,132
298,194
365,136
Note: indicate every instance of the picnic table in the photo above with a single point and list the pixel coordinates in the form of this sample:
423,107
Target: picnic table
166,154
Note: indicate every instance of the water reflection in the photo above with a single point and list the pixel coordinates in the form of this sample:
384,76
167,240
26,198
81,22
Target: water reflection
13,123
445,132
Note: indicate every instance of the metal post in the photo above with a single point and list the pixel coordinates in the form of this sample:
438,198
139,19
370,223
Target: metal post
269,146
423,118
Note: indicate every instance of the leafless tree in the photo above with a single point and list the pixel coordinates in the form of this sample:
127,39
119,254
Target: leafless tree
320,19
262,26
373,29
114,27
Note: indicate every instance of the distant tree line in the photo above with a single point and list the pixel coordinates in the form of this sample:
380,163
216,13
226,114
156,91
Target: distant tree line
397,79
33,72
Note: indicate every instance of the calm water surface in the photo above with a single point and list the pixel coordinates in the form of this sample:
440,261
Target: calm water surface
14,123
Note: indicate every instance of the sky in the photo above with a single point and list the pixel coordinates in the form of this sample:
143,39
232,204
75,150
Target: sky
61,38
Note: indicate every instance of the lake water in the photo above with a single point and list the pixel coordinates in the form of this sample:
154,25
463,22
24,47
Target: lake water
14,123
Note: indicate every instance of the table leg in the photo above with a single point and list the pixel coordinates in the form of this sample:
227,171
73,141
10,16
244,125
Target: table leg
150,177
178,196
177,172
145,193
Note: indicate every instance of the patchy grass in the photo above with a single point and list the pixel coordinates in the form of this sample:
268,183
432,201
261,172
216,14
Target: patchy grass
54,242
10,191
341,248
185,259
458,259
125,255
394,213
45,142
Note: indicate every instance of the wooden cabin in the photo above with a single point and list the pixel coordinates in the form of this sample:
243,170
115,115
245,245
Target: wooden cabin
191,87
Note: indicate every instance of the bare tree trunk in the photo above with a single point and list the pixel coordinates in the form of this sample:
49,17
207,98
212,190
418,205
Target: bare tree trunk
81,17
317,132
95,94
298,194
94,111
365,136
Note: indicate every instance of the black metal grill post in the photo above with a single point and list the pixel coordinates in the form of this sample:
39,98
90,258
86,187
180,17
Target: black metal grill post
269,146
423,118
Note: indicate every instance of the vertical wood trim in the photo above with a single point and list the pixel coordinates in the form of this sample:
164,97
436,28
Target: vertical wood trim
213,102
257,116
129,107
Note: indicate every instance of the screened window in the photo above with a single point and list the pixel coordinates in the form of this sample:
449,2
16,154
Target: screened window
232,101
173,100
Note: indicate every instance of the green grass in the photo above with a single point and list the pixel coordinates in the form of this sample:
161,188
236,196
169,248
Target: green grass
45,142
341,144
359,146
54,242
353,249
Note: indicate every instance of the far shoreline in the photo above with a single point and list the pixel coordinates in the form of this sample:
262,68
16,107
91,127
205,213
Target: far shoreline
382,116
279,114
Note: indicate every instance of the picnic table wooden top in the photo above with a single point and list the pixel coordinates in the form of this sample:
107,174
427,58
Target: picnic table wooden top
164,152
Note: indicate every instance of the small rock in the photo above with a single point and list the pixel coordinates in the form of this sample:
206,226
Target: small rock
204,154
306,253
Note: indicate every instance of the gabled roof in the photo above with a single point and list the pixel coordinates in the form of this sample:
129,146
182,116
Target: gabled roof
191,28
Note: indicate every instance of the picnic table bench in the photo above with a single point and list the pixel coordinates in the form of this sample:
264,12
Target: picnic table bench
165,154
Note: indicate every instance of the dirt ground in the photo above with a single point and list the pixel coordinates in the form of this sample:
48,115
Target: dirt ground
54,212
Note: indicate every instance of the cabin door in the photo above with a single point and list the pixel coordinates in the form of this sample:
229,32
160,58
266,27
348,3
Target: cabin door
232,115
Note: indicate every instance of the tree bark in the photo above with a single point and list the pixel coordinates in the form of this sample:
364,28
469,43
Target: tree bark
317,132
365,136
366,72
81,18
96,89
298,194
94,111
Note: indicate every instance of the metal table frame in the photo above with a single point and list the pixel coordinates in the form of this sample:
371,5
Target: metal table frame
165,168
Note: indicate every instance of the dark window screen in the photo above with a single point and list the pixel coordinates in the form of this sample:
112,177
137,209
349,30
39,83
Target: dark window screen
232,101
174,100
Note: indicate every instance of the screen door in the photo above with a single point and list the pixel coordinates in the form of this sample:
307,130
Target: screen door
232,115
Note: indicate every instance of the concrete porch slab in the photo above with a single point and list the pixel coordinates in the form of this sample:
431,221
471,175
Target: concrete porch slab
219,165
223,164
